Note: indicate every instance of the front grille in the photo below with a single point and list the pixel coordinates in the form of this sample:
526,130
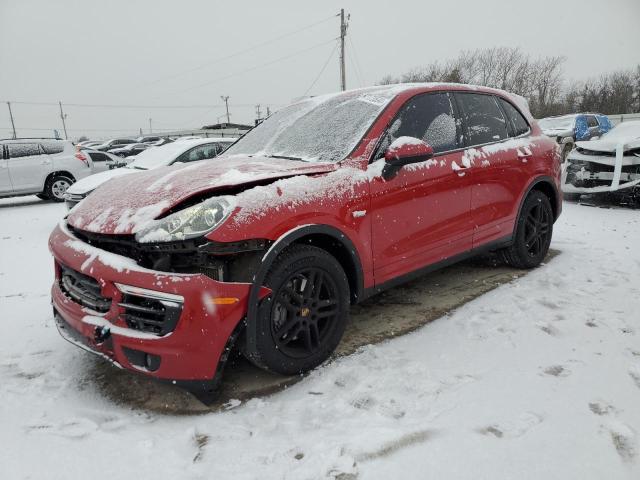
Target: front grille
83,289
149,314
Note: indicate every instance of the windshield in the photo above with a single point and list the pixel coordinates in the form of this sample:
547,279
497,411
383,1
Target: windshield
158,156
322,129
560,123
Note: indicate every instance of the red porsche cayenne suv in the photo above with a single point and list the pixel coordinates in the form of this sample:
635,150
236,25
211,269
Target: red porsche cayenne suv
327,202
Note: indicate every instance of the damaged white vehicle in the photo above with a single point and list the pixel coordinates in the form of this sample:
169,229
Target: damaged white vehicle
608,165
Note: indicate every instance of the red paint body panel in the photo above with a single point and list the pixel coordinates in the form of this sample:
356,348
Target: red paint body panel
428,212
188,353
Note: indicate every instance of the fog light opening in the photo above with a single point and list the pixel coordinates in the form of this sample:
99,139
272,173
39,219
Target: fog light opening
151,362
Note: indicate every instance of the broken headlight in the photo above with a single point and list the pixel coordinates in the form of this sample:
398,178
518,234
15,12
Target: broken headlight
191,222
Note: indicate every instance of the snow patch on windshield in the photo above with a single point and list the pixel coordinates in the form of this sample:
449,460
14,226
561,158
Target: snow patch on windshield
324,129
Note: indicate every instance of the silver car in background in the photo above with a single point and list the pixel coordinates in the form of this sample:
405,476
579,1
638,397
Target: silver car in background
183,151
44,167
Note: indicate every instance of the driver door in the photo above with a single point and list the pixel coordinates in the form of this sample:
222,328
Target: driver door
423,214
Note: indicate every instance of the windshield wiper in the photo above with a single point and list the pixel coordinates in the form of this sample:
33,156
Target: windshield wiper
286,157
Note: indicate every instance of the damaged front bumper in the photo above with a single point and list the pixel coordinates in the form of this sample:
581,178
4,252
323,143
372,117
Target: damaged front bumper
173,327
600,172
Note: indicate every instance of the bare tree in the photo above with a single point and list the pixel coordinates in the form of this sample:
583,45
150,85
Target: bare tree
540,80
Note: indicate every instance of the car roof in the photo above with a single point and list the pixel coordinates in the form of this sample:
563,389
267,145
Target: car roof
32,140
410,89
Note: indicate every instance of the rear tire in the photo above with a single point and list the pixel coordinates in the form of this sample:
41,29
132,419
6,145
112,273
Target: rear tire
533,232
57,186
301,322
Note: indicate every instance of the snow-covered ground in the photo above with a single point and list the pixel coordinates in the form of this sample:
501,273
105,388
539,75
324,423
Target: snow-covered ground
538,379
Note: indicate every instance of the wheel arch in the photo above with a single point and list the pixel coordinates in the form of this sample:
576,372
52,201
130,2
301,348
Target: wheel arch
546,185
326,237
61,173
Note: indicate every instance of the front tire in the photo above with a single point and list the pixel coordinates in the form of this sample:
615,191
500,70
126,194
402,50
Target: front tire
534,229
301,322
57,187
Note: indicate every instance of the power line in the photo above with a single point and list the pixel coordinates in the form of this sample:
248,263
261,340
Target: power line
286,57
235,54
354,59
333,50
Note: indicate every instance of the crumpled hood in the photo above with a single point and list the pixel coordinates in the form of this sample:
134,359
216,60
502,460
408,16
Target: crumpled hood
606,145
125,204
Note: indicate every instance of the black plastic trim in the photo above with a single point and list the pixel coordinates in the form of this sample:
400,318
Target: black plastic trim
537,181
494,245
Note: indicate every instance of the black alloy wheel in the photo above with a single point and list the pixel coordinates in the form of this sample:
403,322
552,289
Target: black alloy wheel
304,312
533,232
301,322
537,229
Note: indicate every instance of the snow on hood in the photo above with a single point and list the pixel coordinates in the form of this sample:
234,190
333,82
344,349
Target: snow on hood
626,133
127,203
90,183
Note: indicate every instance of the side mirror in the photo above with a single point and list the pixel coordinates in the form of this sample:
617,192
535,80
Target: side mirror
404,151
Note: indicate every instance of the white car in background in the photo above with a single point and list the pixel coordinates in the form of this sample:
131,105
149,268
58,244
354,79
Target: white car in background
609,164
156,157
44,167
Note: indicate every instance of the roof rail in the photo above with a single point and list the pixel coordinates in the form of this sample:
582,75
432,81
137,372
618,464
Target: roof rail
31,138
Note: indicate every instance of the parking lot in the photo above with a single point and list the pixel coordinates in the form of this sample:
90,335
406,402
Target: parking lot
543,369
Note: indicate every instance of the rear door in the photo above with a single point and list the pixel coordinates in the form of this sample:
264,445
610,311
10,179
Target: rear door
498,166
29,165
5,178
99,160
421,216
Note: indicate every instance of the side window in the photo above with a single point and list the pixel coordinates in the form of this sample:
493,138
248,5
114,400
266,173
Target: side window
483,118
17,150
98,157
591,121
193,155
428,117
518,122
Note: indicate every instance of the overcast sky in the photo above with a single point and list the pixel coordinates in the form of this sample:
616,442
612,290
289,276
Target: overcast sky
169,52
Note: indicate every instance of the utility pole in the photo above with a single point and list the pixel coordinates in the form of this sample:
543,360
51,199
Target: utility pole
258,114
150,127
225,99
63,116
13,125
343,33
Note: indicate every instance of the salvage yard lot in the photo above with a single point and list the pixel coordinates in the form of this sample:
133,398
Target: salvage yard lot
538,378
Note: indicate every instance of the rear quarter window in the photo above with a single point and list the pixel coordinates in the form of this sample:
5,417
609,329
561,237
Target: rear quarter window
52,148
518,123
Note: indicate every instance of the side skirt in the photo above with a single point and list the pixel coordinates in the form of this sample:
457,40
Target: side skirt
494,245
